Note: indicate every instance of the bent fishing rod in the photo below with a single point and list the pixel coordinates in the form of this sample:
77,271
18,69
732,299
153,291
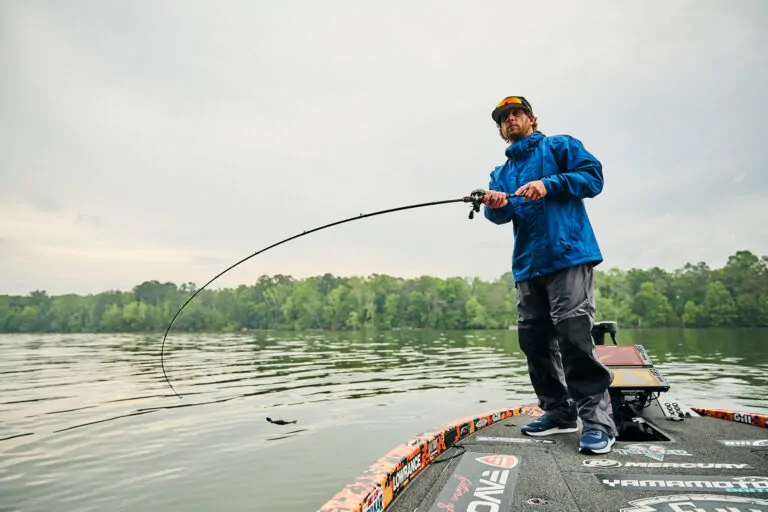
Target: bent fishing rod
475,197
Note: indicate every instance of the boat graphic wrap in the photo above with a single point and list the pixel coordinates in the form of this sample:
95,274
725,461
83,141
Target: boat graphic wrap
694,502
480,483
383,480
748,418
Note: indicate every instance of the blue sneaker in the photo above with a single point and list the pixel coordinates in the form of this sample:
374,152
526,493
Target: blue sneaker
544,427
594,441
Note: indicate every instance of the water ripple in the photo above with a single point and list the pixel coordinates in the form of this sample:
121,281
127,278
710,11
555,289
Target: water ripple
81,409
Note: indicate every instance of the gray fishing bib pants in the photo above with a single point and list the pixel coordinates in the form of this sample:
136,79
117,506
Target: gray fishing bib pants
556,313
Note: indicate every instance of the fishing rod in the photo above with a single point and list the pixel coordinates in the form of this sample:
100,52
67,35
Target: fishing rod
475,197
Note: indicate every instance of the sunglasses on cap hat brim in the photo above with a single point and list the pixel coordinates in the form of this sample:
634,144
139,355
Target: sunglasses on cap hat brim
509,103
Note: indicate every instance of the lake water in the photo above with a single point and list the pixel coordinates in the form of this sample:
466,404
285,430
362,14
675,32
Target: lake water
87,422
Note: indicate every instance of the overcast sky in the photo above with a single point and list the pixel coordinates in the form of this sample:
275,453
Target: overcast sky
169,139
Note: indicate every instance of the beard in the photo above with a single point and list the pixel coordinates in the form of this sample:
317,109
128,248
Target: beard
512,135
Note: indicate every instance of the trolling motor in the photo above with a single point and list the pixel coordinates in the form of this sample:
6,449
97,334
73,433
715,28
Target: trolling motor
600,329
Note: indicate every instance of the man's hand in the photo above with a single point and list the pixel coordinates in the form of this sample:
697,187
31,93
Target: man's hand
532,191
495,199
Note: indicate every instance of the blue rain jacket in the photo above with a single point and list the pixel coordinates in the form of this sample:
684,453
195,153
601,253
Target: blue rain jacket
554,232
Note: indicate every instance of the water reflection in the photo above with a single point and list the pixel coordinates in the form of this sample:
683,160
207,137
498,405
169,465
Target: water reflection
76,408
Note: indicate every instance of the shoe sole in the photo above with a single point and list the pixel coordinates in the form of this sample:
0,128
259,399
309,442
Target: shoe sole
599,451
566,430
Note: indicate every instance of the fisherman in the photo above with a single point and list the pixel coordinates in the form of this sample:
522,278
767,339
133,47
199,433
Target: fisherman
554,253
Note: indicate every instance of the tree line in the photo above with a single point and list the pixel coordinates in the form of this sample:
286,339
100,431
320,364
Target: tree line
692,296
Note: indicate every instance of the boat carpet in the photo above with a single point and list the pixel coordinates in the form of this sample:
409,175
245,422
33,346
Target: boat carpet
704,456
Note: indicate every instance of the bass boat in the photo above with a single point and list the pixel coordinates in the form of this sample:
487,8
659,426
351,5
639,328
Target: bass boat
668,457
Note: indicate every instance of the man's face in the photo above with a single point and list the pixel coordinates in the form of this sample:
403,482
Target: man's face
516,124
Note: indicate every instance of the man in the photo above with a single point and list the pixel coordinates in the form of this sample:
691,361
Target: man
555,250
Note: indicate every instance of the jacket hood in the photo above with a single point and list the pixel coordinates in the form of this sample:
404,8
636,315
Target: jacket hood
524,145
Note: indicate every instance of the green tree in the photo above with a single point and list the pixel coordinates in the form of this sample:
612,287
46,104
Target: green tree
156,293
112,319
651,306
691,314
303,307
719,309
694,296
69,313
745,276
477,316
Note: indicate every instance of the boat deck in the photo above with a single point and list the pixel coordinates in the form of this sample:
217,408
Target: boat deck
549,474
667,457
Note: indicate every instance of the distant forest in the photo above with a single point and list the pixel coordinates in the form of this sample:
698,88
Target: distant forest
692,296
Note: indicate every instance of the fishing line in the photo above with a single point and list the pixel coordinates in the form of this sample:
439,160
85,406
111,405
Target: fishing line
460,449
475,198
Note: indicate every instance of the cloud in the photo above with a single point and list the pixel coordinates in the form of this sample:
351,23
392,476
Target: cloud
48,206
160,142
84,218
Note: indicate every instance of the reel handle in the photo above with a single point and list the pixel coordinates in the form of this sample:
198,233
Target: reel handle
476,198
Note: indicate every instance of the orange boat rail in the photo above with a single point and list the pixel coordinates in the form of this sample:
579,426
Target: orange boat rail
378,485
750,418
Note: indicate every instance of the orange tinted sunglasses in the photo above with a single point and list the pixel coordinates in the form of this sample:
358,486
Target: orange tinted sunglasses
510,100
514,100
